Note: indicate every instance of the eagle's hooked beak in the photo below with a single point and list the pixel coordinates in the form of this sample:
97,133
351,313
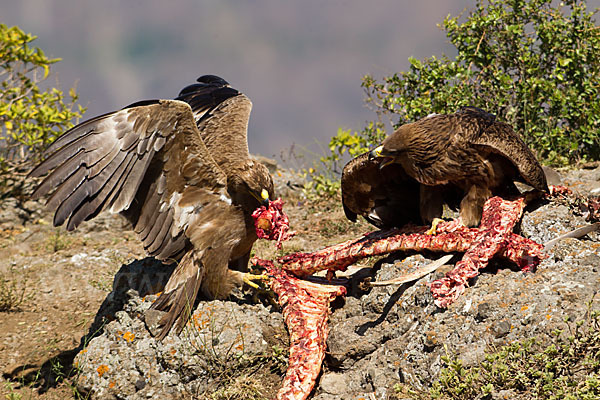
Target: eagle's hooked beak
376,153
379,152
264,198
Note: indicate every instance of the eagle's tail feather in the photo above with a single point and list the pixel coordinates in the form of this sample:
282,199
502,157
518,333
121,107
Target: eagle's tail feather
179,295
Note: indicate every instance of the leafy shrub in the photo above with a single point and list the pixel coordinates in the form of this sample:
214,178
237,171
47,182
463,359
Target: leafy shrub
533,63
30,117
325,174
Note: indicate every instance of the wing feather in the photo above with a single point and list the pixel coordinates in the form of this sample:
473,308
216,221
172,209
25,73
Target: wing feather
172,248
480,128
101,163
74,134
125,191
148,214
159,237
63,192
501,139
96,200
222,114
68,153
88,189
157,225
105,155
62,174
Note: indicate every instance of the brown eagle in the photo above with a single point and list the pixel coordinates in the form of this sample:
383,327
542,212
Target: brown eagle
464,157
180,172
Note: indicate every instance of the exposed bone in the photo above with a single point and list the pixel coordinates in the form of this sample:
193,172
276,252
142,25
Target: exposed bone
576,233
522,251
413,276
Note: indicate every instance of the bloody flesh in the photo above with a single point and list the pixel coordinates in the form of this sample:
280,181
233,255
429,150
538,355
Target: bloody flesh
494,234
272,223
305,311
306,305
524,252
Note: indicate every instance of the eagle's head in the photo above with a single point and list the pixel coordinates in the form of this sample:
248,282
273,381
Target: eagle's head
385,156
251,186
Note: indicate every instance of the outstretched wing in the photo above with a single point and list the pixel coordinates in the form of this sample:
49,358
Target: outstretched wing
222,115
386,197
146,161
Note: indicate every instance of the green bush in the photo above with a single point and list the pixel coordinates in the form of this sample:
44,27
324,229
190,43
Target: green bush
325,173
30,117
533,63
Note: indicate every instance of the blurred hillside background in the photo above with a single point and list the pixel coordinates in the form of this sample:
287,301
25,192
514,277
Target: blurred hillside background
301,63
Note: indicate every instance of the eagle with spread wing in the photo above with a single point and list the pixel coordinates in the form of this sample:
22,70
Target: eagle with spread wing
181,173
459,159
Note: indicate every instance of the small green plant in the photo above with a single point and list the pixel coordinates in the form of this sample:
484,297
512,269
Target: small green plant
13,292
30,117
101,284
457,380
567,367
57,241
11,395
240,387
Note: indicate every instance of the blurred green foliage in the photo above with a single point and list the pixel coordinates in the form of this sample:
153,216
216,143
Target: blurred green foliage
30,117
533,63
325,173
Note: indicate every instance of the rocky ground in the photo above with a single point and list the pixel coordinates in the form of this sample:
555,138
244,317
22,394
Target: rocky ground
82,327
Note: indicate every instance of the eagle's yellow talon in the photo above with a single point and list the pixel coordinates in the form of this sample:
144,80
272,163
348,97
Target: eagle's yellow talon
249,279
434,224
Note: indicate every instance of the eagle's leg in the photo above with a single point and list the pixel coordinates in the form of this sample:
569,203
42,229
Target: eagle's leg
238,275
250,280
431,206
471,206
